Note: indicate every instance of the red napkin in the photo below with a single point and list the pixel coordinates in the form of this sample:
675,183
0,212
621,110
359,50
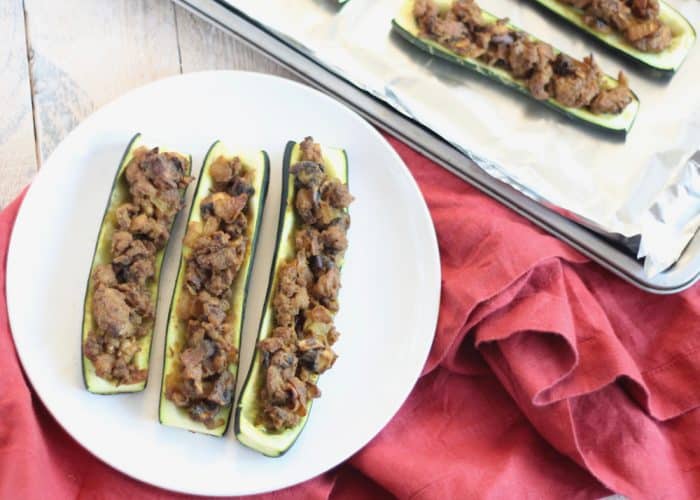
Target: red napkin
548,378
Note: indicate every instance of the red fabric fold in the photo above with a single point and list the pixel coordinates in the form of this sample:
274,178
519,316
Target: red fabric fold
548,378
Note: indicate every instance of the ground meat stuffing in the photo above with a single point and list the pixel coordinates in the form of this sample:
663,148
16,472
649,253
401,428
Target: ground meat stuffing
575,84
635,20
300,345
202,383
122,302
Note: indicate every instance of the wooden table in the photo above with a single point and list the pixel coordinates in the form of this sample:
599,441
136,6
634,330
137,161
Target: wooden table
62,60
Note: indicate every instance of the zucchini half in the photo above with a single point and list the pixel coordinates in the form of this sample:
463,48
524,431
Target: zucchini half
247,429
259,163
667,61
405,25
102,255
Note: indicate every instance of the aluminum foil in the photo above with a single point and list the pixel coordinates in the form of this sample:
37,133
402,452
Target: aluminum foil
643,191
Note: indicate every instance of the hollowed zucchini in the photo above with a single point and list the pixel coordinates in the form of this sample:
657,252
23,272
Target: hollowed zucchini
668,60
248,431
405,25
259,164
119,195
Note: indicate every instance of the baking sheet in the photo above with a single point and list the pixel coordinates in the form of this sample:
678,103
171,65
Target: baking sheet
641,190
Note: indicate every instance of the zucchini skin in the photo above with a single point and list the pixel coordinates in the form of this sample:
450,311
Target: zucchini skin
656,64
250,383
88,376
260,206
280,226
617,125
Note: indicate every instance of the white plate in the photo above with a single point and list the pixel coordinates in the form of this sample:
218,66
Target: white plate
389,299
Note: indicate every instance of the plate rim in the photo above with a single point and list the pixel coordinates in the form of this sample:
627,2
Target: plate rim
433,267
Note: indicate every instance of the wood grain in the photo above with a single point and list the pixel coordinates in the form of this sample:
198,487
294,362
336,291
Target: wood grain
17,147
206,47
87,53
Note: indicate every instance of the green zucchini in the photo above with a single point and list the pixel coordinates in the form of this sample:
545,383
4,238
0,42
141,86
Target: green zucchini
667,61
405,25
259,163
248,431
102,255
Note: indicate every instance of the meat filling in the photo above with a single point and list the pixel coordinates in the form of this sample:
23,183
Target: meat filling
122,303
575,84
635,20
202,383
300,345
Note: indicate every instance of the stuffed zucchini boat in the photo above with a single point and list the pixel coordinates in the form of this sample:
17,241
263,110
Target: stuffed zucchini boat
122,290
461,32
296,329
208,305
650,32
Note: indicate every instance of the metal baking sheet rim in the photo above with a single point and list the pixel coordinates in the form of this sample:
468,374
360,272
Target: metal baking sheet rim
683,274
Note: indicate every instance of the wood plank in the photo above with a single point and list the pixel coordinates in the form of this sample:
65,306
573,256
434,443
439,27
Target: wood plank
17,147
206,47
87,53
